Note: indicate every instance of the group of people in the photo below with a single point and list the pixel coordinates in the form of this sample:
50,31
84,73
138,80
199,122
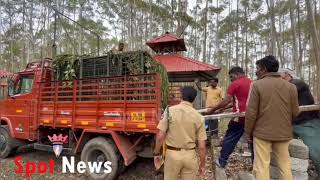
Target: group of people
271,106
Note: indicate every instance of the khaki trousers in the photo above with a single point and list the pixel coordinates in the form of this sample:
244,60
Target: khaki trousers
182,163
262,155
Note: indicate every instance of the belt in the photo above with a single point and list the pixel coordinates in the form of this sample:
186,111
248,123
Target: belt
179,149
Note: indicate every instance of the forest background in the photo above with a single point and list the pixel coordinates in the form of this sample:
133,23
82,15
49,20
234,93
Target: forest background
224,33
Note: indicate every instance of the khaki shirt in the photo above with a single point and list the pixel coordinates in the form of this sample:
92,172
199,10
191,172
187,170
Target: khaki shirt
213,96
186,126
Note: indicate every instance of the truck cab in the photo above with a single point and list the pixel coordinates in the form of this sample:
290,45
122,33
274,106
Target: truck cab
18,108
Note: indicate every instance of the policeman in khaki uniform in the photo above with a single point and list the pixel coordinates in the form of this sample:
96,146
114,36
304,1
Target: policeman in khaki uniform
181,128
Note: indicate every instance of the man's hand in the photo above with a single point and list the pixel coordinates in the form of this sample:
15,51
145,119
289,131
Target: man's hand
219,111
204,113
211,110
222,105
156,152
201,172
157,162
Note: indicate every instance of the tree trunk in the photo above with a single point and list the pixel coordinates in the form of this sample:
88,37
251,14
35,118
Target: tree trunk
10,63
81,3
237,36
31,31
230,37
272,49
209,53
300,39
130,25
196,36
172,15
1,62
24,59
217,37
134,29
74,31
182,8
315,43
279,40
242,51
309,71
246,37
274,37
294,38
205,33
255,51
179,18
147,22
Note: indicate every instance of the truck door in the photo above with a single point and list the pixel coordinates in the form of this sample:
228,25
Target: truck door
20,106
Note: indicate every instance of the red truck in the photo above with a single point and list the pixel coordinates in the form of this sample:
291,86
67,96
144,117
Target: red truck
105,119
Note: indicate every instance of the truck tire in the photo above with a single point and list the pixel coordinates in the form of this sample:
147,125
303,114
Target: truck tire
101,149
6,143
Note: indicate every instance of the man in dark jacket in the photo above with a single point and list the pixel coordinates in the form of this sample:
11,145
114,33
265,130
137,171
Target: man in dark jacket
272,106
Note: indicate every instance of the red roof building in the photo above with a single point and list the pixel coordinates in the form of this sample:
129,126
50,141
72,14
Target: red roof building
5,74
167,43
179,67
183,69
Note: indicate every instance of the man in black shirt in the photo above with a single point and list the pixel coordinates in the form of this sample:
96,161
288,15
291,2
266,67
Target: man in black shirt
304,95
307,124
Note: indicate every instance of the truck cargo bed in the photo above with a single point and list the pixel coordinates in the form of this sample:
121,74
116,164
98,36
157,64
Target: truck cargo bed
125,103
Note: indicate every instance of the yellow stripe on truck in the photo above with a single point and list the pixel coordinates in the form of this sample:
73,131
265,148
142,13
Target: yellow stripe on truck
109,124
142,126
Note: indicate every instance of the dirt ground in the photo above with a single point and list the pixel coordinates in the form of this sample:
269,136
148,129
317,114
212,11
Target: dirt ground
141,169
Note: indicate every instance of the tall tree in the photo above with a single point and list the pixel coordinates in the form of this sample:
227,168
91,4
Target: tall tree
315,42
205,25
294,37
237,35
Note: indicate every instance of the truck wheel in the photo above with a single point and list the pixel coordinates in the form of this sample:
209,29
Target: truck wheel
6,143
98,150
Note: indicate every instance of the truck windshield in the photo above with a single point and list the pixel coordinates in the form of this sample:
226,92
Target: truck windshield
24,84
